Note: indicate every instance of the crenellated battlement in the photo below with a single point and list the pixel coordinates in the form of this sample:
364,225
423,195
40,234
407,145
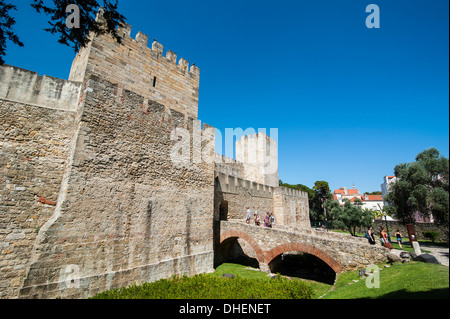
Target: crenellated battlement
28,87
259,135
142,68
142,39
234,185
292,192
124,31
259,153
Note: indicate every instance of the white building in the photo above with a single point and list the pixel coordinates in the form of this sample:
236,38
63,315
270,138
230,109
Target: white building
387,181
373,202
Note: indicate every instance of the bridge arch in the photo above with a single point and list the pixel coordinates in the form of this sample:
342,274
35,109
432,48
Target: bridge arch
305,248
235,234
265,257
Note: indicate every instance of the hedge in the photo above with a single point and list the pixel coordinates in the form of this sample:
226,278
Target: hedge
207,286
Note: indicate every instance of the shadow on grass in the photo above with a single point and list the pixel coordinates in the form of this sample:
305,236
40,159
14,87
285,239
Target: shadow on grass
441,293
245,261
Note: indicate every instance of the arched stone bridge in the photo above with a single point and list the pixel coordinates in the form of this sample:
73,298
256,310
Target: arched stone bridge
339,251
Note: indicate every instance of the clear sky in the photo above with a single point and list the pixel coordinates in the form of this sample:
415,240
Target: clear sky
349,102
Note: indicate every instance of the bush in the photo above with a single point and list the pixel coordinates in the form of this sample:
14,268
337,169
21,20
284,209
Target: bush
207,286
431,235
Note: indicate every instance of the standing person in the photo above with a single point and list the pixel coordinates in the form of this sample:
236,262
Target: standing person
266,220
383,235
249,215
385,239
257,223
370,236
399,238
271,220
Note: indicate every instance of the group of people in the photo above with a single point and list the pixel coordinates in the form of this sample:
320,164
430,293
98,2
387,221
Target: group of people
269,219
383,236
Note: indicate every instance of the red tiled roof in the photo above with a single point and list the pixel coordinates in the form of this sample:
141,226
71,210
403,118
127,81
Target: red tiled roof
374,197
339,191
353,199
353,191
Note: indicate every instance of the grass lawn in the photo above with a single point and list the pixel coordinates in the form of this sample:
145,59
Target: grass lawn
241,271
400,281
254,273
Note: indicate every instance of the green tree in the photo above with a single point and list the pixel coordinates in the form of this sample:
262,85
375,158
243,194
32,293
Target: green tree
380,213
321,196
333,210
6,28
421,186
75,37
374,193
351,216
317,197
300,187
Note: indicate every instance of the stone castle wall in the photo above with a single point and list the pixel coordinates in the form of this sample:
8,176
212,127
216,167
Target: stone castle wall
34,144
233,196
125,213
91,198
36,127
228,166
291,207
88,187
393,225
19,85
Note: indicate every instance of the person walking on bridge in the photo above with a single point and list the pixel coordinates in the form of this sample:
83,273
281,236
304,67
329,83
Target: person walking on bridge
266,220
249,215
269,220
257,223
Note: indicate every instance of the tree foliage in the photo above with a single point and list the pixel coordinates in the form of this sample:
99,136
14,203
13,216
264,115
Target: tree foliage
322,195
375,193
350,216
317,196
6,28
300,187
421,186
75,37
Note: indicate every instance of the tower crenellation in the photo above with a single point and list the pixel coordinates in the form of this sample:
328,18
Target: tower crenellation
259,155
145,70
142,39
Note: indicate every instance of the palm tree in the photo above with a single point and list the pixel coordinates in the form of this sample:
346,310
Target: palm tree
382,212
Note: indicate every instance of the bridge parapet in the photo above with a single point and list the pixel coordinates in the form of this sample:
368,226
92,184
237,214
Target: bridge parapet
341,252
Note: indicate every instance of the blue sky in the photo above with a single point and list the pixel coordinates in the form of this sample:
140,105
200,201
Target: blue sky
349,102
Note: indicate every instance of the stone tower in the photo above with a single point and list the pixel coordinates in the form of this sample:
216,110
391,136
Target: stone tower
140,69
259,154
